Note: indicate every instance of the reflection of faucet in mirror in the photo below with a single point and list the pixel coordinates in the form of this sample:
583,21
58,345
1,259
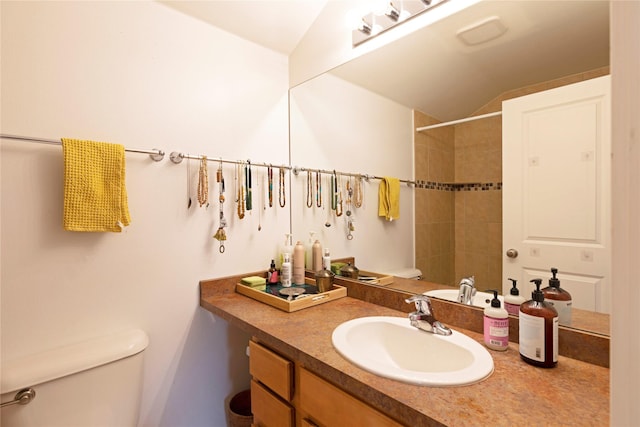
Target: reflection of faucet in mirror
467,290
423,318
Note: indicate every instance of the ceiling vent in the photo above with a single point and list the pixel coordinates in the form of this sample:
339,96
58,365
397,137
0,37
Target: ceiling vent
482,31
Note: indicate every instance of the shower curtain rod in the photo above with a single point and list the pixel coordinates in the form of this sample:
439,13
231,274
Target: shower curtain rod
155,154
454,122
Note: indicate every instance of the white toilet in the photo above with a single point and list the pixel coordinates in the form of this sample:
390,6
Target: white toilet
89,384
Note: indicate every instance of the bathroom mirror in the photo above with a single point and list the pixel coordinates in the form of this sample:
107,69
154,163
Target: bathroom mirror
455,68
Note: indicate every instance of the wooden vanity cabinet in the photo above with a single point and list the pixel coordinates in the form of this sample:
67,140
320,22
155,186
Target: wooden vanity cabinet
271,387
326,405
286,395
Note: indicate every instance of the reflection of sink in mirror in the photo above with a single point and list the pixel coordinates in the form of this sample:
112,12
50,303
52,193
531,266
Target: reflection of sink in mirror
481,299
392,348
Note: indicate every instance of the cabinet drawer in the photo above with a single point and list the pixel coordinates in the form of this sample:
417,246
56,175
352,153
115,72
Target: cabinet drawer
267,409
271,370
330,406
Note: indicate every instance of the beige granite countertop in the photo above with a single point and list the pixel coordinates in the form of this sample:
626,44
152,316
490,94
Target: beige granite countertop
573,393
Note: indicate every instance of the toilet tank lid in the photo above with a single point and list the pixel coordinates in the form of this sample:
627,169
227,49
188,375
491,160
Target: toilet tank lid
406,273
52,364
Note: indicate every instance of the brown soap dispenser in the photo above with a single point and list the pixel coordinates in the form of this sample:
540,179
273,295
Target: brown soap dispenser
538,335
559,298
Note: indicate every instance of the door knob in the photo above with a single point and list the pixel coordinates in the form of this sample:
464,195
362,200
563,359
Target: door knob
512,253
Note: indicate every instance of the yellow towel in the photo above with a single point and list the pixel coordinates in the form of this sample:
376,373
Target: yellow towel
389,198
95,196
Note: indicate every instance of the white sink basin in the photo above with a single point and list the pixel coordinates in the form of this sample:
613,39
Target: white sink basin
481,299
392,348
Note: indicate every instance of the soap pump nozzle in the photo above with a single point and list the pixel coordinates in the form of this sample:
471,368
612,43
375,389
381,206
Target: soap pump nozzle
495,302
514,290
537,295
554,282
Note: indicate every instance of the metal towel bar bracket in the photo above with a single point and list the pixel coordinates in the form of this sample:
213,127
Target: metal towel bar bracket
22,397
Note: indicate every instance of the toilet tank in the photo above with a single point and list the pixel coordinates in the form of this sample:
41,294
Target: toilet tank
93,383
407,273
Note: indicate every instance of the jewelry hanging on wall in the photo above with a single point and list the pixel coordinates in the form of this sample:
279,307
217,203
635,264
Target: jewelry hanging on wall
240,184
221,235
247,173
282,197
350,218
334,191
203,183
339,196
318,189
330,188
309,190
262,203
349,195
188,182
358,195
270,177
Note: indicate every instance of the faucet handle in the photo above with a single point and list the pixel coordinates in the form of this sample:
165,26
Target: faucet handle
422,302
469,281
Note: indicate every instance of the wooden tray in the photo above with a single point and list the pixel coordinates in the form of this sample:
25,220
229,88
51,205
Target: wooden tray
293,305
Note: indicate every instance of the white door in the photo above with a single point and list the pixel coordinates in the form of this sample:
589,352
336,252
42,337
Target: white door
556,190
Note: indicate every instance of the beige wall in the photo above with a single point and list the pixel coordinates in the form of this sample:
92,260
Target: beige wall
459,226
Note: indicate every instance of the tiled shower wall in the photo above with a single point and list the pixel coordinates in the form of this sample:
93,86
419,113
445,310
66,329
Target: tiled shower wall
459,193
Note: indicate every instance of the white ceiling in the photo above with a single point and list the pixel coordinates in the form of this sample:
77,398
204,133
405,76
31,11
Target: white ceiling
276,24
431,69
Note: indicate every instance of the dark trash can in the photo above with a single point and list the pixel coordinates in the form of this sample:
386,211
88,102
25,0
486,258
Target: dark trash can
238,409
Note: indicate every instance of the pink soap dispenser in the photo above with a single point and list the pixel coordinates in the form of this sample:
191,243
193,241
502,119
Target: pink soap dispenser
496,325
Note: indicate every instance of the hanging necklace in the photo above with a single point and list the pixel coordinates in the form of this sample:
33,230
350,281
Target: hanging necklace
309,190
264,208
334,190
203,182
240,199
282,198
318,189
188,182
247,173
349,194
339,196
357,192
350,219
221,235
330,186
270,177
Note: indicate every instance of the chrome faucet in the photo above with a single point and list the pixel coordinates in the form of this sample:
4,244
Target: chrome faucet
423,317
467,290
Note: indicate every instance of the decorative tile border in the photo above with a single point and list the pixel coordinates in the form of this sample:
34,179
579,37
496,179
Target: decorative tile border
448,186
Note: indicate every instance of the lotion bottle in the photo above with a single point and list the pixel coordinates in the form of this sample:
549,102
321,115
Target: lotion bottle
298,264
287,248
538,335
285,271
496,325
308,251
513,300
558,298
326,260
316,256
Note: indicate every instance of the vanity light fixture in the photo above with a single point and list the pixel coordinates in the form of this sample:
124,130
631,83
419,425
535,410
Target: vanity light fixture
390,14
364,27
